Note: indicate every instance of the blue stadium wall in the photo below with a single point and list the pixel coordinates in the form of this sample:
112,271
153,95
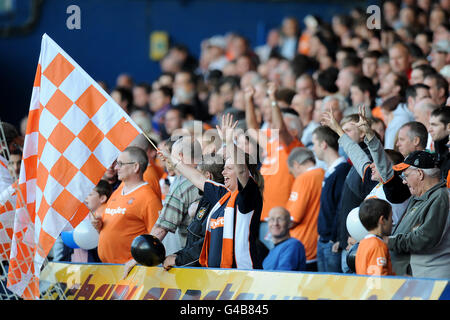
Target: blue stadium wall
115,35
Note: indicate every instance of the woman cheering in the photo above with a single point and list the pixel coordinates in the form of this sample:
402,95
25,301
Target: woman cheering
233,222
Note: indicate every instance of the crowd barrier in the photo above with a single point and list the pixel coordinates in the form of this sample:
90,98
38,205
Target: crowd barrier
104,282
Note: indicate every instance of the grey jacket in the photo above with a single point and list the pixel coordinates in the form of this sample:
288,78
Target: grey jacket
420,244
361,162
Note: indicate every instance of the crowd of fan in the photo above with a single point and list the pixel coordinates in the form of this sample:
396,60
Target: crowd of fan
324,89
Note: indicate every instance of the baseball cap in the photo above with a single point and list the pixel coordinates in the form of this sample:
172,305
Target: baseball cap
418,159
442,46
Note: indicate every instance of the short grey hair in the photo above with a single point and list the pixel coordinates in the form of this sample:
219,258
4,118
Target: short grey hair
434,173
190,148
300,155
296,124
342,103
139,156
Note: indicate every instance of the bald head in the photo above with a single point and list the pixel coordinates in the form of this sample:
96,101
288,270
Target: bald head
279,223
423,110
304,105
399,58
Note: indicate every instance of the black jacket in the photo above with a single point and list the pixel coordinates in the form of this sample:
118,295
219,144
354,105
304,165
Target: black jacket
196,234
443,156
353,193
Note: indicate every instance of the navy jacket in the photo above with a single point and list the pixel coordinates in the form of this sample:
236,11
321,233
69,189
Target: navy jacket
329,202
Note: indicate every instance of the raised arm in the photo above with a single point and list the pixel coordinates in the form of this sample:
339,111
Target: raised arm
253,127
250,114
379,156
226,131
277,117
190,173
357,155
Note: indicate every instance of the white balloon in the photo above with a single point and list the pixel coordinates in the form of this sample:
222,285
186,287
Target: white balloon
354,225
85,235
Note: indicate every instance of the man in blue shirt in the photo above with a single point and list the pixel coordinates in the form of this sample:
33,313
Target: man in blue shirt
288,253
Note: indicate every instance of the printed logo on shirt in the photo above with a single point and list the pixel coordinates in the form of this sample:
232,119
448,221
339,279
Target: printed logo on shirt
293,196
201,213
118,210
381,261
217,223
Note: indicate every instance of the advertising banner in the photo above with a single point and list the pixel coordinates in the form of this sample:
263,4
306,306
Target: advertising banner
104,282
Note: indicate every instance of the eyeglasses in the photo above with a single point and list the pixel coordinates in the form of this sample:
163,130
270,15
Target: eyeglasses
120,163
405,176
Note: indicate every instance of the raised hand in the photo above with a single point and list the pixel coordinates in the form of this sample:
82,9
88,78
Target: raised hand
271,89
329,120
226,129
363,123
166,158
249,92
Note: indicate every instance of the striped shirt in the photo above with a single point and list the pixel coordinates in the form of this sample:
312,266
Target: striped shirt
174,215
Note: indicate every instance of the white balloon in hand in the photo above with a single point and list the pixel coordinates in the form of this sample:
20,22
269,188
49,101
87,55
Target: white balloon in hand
85,235
354,225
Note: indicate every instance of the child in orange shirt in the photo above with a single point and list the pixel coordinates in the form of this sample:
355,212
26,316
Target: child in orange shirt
372,256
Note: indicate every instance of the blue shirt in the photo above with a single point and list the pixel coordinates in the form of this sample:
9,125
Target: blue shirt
286,255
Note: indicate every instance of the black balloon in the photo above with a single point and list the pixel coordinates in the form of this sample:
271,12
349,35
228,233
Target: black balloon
351,257
148,250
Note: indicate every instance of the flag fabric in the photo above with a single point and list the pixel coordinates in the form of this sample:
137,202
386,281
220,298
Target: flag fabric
5,177
75,131
7,209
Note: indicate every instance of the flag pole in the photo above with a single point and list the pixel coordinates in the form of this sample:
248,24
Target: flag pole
150,140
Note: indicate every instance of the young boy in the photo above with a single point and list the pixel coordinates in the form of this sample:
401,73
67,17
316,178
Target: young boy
372,256
98,197
95,201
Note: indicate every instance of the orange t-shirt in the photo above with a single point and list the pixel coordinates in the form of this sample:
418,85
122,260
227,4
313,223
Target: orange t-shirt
151,176
125,217
372,257
448,179
378,113
304,206
158,166
303,43
277,178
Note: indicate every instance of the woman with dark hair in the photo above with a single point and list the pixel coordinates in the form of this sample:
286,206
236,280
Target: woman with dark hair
231,239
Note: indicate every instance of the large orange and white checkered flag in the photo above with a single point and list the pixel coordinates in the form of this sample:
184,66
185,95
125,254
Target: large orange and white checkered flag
75,131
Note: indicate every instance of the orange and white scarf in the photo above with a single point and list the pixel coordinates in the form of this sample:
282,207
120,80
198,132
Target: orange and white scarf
228,232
